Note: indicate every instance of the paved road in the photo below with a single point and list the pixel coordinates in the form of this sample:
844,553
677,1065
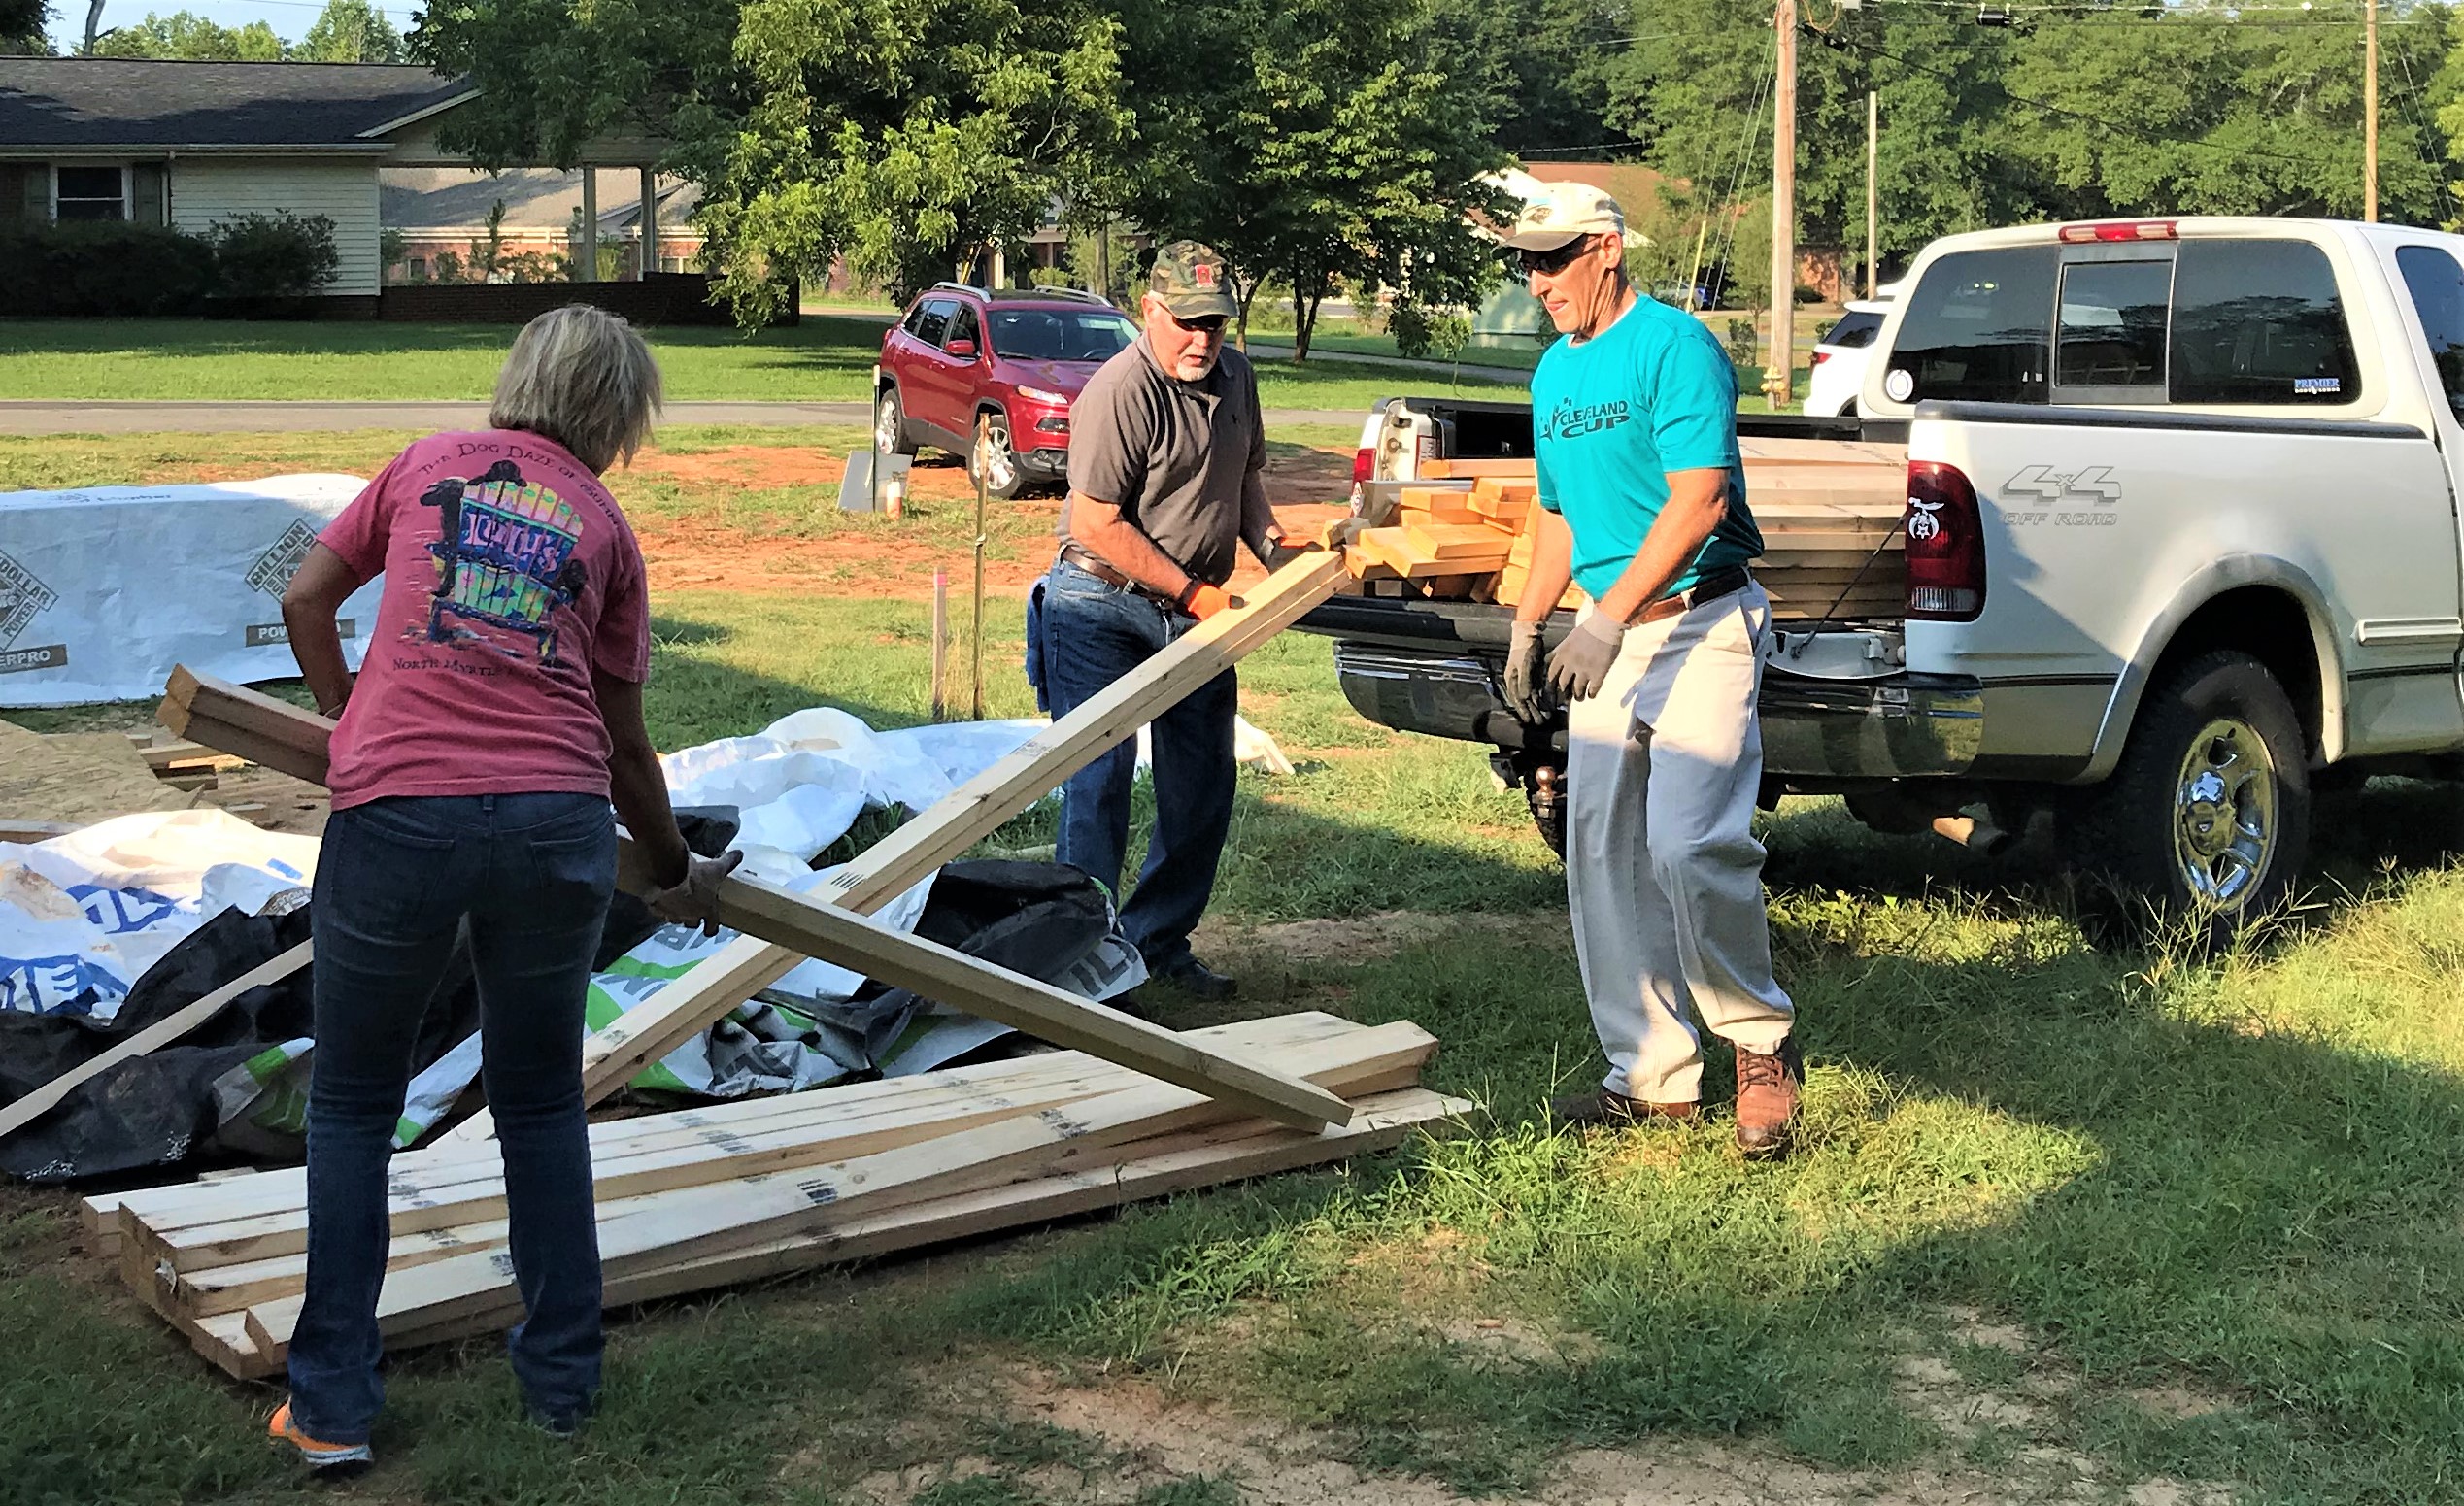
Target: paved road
221,417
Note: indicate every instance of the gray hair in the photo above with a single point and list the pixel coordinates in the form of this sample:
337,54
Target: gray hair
581,377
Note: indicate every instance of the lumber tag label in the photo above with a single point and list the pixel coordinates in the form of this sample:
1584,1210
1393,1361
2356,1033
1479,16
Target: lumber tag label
821,1192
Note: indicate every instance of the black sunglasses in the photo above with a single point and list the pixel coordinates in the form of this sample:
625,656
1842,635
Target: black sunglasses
1204,324
1549,263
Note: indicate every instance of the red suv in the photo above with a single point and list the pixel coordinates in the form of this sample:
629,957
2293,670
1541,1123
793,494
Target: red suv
1008,361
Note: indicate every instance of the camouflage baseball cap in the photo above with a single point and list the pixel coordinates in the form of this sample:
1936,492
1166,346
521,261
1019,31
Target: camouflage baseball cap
1193,281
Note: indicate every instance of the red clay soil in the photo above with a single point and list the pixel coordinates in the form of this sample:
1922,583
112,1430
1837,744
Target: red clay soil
1308,489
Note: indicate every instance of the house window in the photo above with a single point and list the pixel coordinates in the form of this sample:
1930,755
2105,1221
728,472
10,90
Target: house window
417,267
89,193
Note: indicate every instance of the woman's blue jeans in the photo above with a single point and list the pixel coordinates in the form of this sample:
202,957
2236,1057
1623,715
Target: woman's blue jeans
531,876
1093,634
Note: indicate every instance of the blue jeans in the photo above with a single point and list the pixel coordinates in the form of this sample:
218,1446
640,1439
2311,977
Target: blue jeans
1093,634
397,878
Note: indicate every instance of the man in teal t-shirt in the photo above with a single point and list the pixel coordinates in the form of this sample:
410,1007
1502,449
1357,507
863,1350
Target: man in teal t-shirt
1634,418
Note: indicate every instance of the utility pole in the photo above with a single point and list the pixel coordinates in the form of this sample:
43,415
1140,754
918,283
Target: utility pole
1780,381
1872,195
2370,110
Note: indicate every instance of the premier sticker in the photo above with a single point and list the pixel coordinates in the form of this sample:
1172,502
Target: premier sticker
1898,383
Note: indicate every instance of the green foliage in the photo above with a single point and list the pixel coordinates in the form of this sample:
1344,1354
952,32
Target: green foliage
275,255
1050,277
392,249
1322,140
350,31
2193,109
1419,332
190,37
21,29
86,267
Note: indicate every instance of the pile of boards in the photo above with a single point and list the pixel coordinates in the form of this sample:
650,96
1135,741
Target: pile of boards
716,1195
1830,513
710,1196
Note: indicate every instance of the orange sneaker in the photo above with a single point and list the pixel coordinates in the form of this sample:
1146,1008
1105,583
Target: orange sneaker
318,1455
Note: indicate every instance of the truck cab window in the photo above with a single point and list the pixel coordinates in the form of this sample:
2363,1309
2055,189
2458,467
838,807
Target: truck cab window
2110,333
2259,322
2436,285
1977,329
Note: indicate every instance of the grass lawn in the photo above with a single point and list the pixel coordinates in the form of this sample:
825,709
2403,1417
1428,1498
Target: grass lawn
821,359
2065,1223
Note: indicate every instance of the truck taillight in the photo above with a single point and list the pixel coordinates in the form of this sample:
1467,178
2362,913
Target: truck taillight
1363,464
2092,231
1945,544
1821,356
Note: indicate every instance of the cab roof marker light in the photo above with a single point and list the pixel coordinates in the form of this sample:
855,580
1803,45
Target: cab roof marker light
2121,230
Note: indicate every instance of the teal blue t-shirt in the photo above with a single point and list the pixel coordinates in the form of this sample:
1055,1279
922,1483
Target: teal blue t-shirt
1612,417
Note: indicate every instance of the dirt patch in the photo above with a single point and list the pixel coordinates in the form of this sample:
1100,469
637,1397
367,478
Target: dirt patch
2180,1402
1155,1435
1362,938
761,468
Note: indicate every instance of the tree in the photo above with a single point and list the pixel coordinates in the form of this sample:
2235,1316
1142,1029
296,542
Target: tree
902,134
190,37
1320,140
21,29
350,31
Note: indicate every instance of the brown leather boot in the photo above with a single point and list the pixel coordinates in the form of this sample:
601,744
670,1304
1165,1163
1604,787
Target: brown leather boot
1767,1097
1616,1110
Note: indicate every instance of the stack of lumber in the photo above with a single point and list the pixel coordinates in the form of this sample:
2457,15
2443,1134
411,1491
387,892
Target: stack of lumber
712,1196
1828,510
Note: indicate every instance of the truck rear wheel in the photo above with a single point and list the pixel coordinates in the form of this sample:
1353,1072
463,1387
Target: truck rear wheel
2207,817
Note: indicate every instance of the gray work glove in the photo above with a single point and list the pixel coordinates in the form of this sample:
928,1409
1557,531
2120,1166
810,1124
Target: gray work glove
1580,665
1524,677
695,900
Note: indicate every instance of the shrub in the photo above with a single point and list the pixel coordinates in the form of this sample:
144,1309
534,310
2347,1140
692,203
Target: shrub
275,255
1047,277
1421,332
103,268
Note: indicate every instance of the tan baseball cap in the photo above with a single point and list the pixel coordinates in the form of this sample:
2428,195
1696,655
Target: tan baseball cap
1556,213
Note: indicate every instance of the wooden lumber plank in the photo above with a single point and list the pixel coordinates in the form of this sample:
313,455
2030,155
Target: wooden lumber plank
179,1022
30,833
895,864
418,1176
899,860
1154,1169
1472,546
228,1287
265,1213
1466,469
714,1219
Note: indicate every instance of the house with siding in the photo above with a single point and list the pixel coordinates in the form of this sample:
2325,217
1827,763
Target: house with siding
193,143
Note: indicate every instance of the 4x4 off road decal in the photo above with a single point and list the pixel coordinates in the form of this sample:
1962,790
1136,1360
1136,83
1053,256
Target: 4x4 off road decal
2045,488
271,573
22,599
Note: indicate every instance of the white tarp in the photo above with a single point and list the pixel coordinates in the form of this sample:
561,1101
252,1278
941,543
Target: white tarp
103,589
83,916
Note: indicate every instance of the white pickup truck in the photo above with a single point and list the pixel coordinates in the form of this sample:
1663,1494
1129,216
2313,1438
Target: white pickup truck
2181,542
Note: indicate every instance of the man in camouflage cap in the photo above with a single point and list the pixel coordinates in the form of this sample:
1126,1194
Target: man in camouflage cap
1167,455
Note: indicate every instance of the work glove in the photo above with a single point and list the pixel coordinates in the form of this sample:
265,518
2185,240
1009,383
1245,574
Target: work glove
1208,600
695,900
1524,677
1580,665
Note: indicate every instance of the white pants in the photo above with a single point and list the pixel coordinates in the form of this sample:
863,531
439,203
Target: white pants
1662,873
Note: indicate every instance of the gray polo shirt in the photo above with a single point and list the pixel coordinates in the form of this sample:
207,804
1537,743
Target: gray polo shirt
1183,460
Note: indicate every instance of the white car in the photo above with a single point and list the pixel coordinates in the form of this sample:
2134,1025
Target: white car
1839,359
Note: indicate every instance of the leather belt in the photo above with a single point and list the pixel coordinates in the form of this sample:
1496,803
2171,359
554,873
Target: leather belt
1077,555
1723,582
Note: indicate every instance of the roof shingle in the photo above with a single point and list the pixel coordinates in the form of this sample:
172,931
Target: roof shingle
153,103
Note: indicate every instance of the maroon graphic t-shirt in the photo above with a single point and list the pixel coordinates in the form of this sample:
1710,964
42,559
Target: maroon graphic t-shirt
510,576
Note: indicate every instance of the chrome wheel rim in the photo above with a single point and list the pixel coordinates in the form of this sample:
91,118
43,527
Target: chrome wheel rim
885,423
2224,828
1000,466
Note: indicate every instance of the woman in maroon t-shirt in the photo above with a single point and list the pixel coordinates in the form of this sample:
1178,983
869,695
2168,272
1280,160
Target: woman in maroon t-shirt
498,713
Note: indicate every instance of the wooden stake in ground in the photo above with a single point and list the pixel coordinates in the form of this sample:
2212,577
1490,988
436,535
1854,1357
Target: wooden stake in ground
975,623
940,645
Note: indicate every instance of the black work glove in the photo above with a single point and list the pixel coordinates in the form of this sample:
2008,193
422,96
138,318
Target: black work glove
1580,665
1524,679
